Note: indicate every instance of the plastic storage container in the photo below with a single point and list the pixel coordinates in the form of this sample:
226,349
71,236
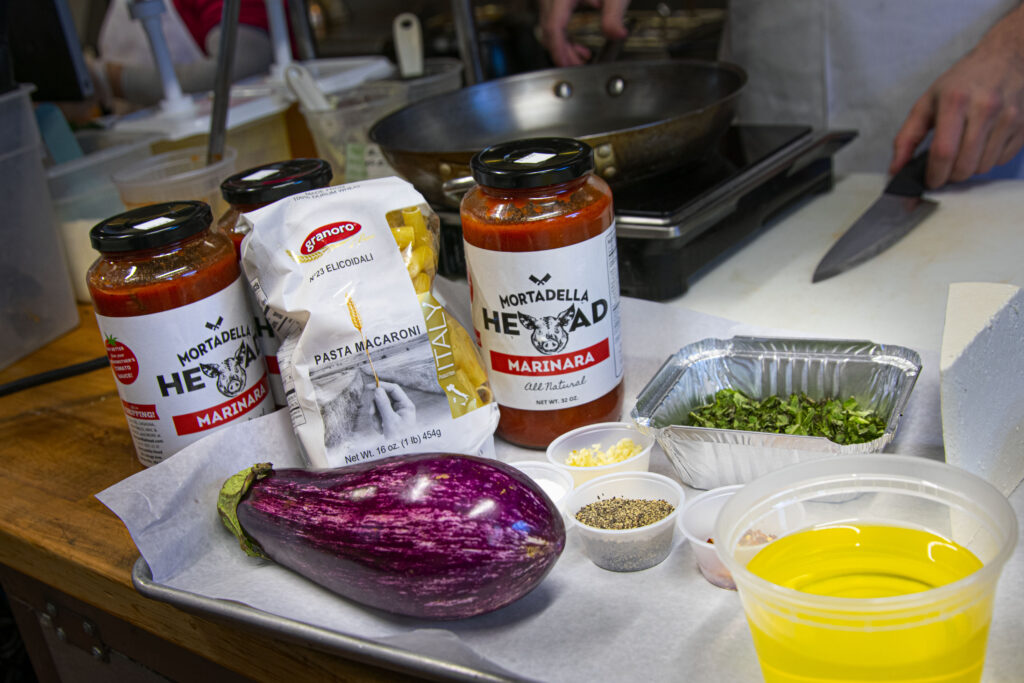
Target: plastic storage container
176,176
555,482
340,73
84,193
36,300
256,127
697,522
627,550
886,571
602,435
341,134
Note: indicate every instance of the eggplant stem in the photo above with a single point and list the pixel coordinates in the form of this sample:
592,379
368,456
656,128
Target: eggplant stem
231,494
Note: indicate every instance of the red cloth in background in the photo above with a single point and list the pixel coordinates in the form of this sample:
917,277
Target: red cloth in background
201,16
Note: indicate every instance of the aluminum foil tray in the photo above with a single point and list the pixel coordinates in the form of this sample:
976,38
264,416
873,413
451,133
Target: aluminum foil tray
880,377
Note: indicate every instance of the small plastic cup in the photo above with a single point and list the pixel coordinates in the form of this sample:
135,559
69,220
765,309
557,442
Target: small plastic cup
627,550
604,435
554,481
864,633
697,522
173,176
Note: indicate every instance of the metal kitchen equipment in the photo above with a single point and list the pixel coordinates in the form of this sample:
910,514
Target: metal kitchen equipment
886,222
673,227
640,117
879,376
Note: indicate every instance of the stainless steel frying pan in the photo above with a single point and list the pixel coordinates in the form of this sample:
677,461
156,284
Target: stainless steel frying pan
640,117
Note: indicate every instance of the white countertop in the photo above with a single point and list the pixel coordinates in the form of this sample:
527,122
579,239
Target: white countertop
899,297
665,623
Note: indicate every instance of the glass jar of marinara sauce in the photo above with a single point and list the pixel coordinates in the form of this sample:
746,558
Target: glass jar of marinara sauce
541,259
171,306
256,187
253,189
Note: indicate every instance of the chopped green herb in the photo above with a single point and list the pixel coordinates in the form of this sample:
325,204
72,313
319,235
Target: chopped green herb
843,422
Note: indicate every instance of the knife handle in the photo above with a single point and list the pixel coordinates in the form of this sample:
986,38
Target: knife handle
909,181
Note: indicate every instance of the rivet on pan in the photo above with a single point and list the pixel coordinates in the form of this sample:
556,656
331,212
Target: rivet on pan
604,150
610,172
445,169
616,86
563,89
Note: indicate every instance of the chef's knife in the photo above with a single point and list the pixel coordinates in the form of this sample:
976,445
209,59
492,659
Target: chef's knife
893,215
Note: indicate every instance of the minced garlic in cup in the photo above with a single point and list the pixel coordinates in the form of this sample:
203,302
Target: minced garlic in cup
624,449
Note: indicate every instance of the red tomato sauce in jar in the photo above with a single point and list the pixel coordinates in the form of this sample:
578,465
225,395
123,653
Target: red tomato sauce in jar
172,309
205,265
256,187
542,264
253,189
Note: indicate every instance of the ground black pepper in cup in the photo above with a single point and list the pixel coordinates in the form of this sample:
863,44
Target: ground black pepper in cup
623,513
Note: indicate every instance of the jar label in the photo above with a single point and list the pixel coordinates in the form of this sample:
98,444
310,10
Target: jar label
268,343
548,322
183,372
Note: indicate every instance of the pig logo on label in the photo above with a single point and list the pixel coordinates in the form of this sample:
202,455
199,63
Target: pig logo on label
548,333
230,372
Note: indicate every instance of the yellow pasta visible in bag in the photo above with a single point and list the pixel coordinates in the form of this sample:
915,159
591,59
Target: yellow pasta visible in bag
464,381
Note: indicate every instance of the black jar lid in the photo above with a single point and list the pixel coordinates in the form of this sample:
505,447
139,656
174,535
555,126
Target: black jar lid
270,182
532,162
148,227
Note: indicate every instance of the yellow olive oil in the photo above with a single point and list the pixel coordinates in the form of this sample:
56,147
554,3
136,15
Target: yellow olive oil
941,639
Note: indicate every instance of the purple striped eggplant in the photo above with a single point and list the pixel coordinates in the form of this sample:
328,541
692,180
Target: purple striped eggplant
436,536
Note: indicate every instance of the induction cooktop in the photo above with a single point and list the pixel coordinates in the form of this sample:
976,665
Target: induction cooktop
673,227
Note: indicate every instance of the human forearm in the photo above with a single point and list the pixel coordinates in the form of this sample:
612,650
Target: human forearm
141,83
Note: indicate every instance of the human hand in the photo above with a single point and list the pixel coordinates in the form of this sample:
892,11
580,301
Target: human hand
397,412
976,109
554,19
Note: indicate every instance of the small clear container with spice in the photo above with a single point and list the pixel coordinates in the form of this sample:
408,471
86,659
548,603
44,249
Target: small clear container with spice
607,446
697,522
626,521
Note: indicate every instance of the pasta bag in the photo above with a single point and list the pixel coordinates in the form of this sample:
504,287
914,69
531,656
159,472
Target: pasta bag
372,364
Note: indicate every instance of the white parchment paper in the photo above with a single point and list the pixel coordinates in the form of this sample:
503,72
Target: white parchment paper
582,623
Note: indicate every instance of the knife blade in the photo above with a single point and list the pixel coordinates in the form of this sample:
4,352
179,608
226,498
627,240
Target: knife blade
898,211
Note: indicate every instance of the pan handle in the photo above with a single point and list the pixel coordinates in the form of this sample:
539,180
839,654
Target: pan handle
612,48
455,188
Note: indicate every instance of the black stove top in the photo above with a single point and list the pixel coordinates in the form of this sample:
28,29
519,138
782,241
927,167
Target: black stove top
673,227
668,194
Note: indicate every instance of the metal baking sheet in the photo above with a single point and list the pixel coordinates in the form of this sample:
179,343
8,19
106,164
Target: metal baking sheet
348,646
